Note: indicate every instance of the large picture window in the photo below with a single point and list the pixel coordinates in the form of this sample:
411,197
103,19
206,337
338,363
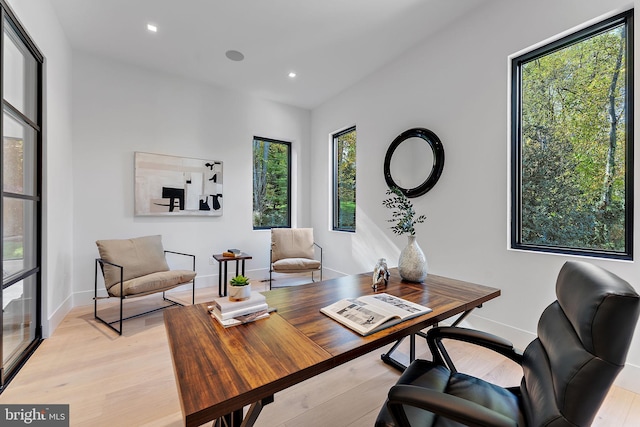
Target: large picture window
572,136
271,183
344,180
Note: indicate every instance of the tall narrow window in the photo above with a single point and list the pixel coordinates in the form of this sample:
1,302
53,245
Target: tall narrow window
572,141
20,211
271,183
344,180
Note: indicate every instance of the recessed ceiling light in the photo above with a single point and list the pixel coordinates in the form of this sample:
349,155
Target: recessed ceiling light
292,74
234,55
152,28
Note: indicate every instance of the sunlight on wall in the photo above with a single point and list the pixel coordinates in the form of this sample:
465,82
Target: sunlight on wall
371,243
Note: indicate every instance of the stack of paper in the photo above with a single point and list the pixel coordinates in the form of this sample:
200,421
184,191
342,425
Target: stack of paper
232,313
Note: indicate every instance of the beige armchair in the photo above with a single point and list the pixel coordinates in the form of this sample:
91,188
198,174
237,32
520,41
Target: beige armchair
293,251
135,268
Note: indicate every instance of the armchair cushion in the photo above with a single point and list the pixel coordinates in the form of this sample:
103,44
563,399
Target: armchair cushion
292,243
292,265
154,282
140,256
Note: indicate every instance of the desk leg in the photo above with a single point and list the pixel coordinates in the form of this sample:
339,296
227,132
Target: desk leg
243,267
389,360
235,418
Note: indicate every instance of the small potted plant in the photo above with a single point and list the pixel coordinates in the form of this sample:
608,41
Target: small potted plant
239,288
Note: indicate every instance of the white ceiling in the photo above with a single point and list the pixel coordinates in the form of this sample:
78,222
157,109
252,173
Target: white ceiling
330,44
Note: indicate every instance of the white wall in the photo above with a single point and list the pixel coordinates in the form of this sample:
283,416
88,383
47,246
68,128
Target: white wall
456,84
42,24
119,109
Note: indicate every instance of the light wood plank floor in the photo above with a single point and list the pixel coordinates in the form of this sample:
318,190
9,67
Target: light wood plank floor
128,381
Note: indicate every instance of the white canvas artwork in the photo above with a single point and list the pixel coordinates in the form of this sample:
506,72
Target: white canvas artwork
170,185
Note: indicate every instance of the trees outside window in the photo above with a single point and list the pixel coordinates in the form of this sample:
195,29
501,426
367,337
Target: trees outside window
344,180
572,136
271,183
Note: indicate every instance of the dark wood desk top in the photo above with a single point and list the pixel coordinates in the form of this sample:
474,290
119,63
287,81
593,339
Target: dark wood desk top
221,370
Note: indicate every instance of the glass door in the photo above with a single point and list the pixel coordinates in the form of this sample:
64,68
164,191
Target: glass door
21,202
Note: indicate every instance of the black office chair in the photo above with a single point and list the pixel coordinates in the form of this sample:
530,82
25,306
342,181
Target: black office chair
583,340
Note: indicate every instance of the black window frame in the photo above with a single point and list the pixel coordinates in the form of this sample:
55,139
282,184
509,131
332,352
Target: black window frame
625,18
334,198
288,217
35,123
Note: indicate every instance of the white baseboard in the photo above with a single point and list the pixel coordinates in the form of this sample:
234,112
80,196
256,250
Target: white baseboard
58,315
628,379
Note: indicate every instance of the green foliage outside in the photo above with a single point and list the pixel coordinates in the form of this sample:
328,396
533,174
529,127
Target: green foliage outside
573,145
12,250
345,152
270,184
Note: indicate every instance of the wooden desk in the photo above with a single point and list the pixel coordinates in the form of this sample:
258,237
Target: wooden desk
225,260
219,371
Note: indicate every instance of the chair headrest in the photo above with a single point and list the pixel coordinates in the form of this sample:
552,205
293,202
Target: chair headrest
597,303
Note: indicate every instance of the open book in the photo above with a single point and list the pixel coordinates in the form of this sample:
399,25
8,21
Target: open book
371,313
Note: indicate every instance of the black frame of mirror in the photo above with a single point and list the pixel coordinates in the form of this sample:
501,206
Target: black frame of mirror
438,161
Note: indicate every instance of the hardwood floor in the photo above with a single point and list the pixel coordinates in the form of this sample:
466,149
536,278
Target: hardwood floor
128,380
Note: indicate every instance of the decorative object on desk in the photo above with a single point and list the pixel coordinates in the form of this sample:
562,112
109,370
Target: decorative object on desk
380,274
174,186
223,309
412,264
242,319
239,288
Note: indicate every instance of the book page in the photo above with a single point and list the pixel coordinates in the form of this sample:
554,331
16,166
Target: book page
394,305
370,313
357,315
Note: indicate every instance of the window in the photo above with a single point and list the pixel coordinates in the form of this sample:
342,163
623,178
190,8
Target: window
271,183
572,135
20,204
344,180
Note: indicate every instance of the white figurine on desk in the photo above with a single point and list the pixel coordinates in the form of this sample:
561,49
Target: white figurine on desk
380,274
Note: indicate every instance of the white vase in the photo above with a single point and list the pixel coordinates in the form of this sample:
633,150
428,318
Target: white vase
412,264
239,293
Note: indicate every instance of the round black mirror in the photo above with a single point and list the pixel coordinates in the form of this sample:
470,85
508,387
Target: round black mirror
408,153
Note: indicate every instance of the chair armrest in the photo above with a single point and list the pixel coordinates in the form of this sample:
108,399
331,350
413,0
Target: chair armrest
193,257
102,262
445,405
483,339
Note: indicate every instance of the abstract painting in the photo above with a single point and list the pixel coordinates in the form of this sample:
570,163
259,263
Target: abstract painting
170,186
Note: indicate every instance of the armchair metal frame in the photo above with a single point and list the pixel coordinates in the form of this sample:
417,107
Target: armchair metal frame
101,262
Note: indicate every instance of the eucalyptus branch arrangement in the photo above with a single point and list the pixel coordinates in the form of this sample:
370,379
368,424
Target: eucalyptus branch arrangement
403,214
